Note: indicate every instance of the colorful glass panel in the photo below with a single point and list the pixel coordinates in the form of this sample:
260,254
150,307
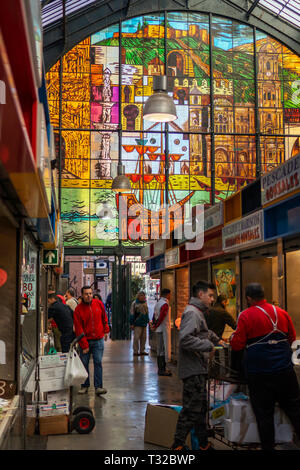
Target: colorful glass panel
106,80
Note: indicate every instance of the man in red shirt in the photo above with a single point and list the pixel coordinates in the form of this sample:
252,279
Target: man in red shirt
265,333
90,318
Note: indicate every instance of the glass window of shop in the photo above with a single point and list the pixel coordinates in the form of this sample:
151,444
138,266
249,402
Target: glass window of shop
29,300
262,270
292,288
182,291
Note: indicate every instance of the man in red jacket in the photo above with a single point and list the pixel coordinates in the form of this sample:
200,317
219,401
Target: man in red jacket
90,318
266,333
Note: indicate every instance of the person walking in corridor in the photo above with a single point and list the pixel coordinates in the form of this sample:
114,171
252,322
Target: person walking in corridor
90,318
265,333
139,319
161,324
196,345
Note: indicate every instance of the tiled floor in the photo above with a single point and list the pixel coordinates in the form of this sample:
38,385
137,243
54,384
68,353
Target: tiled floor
120,414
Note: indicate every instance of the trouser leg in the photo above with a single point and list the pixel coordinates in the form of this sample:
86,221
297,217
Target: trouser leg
193,413
143,339
97,351
57,336
160,348
86,360
136,339
261,391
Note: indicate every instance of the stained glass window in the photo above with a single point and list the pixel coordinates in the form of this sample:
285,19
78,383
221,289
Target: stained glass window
238,113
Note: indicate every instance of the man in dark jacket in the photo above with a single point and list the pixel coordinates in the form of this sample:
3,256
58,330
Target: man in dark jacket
90,318
63,317
218,317
265,333
196,345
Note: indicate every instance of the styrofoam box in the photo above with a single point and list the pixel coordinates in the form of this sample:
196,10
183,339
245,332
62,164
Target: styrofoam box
283,433
54,409
243,433
50,373
247,433
55,360
58,396
52,385
241,411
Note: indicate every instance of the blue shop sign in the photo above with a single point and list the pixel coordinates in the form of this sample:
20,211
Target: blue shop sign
282,219
155,264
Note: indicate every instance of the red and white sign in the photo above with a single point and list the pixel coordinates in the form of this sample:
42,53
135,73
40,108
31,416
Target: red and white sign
244,232
281,181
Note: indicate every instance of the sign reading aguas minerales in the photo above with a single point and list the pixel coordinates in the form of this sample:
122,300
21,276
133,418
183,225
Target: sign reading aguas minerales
243,232
281,181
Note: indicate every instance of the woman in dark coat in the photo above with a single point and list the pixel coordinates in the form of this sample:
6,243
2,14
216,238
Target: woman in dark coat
218,317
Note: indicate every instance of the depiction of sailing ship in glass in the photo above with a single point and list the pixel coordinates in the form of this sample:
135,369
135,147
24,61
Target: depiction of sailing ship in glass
148,177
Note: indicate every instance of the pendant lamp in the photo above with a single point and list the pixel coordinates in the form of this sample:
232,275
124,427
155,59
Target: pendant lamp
160,107
121,183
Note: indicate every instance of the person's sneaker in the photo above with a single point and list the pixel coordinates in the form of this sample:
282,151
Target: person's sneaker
177,446
100,391
165,373
83,390
207,447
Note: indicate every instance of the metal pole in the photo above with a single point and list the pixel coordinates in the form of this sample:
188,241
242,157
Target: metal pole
212,118
257,122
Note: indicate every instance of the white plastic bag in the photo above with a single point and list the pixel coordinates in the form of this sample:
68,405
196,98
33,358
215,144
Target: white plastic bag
75,373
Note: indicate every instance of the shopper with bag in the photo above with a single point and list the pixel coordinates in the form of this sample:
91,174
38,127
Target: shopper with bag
266,333
90,318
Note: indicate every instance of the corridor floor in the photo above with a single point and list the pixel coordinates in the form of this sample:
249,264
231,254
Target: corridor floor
131,383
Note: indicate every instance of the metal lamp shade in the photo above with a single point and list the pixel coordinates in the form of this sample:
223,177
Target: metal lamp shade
121,183
160,108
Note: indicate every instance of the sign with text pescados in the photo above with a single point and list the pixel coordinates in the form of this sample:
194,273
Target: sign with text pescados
244,232
281,181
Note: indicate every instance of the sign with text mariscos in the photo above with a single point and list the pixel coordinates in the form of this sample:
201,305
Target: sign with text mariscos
281,181
244,232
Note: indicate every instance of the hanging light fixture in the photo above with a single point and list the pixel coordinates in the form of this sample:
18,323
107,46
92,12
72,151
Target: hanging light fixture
160,107
121,183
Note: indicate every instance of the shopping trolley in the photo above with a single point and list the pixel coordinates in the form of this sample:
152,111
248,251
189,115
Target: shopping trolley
81,418
223,384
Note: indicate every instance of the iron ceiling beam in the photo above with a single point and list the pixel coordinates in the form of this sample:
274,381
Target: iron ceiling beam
254,4
99,15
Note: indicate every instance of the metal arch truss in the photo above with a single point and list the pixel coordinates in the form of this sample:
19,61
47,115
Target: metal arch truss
61,36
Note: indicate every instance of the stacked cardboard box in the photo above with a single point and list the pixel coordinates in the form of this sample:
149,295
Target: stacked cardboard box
53,415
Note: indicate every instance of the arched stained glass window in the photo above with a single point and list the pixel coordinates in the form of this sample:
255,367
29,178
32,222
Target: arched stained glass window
230,83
